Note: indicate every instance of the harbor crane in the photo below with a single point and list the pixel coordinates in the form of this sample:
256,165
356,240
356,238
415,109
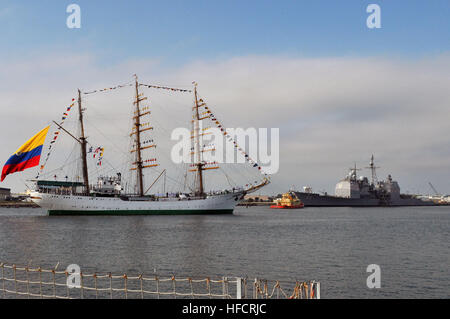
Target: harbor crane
441,199
434,189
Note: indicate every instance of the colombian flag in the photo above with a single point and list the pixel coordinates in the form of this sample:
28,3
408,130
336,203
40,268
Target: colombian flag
28,155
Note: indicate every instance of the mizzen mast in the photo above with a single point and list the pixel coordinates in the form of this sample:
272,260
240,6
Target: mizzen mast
83,144
198,131
197,145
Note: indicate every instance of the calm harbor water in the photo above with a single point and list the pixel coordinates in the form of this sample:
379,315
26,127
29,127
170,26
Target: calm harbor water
331,245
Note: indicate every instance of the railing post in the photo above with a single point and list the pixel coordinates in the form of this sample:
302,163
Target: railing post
238,288
2,265
81,286
317,290
15,280
224,287
245,288
174,287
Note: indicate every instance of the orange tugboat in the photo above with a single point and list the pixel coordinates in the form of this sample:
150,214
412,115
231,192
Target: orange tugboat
287,201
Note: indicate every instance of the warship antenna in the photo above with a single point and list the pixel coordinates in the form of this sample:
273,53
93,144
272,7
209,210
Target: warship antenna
353,171
373,169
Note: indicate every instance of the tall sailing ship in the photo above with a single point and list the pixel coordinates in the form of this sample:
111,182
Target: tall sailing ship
107,196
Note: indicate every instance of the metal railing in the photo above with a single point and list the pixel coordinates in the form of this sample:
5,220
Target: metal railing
37,282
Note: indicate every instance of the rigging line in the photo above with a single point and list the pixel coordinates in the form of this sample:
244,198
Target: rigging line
70,154
65,163
184,85
112,167
165,88
168,176
181,178
101,116
226,176
113,144
120,86
50,149
154,182
61,167
250,174
245,169
126,155
157,124
26,185
163,107
186,184
103,171
103,159
249,177
165,96
234,139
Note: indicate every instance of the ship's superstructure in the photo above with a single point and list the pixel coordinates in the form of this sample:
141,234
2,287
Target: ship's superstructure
287,201
108,185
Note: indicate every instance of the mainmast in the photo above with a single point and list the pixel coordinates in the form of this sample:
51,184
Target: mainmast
137,126
197,147
138,129
83,144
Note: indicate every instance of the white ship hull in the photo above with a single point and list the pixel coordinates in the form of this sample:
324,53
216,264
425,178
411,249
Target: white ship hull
57,204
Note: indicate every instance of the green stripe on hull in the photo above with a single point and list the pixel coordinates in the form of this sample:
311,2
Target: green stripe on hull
137,212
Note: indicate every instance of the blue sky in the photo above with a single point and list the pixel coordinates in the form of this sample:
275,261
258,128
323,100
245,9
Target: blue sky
181,31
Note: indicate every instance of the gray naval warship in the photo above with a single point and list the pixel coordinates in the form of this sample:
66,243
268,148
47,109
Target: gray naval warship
359,192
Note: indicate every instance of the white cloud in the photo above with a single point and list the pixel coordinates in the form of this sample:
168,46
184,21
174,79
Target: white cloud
336,111
331,112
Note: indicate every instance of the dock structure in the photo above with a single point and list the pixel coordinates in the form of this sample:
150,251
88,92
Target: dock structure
5,193
46,283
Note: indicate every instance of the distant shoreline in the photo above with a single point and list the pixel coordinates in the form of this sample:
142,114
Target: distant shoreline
12,204
255,204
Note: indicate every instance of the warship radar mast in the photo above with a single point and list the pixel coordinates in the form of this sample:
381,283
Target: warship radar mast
373,169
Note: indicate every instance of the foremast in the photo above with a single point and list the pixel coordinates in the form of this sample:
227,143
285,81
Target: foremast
83,144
